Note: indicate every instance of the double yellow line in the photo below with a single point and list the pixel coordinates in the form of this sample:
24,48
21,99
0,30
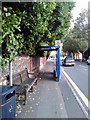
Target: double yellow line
83,97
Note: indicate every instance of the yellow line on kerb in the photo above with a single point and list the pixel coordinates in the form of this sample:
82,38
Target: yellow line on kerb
83,97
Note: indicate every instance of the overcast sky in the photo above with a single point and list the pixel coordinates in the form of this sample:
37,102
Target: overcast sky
79,6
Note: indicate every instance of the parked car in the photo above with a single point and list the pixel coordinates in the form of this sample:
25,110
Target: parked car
53,57
61,58
68,61
88,61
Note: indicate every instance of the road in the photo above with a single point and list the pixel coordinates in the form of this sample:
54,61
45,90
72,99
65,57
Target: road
80,75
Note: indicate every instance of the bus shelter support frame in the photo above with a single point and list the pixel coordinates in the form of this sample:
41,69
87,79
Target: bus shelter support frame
57,49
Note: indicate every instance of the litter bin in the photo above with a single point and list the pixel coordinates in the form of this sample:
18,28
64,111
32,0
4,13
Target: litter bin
8,105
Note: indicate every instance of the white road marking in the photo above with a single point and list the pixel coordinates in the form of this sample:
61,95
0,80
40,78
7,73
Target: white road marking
83,66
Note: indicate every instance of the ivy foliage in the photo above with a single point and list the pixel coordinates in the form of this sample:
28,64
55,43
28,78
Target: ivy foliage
10,39
26,26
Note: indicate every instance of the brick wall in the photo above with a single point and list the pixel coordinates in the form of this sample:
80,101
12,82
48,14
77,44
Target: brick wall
20,63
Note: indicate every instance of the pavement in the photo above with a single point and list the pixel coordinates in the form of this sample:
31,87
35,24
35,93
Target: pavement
50,99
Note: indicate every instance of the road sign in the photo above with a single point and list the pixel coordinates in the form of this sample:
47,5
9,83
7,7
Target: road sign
57,42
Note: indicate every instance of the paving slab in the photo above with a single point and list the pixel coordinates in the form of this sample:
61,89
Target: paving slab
45,102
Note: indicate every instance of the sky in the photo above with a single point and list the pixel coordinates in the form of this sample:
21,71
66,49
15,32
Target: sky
79,6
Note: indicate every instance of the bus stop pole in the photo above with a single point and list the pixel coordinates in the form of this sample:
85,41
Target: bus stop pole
58,64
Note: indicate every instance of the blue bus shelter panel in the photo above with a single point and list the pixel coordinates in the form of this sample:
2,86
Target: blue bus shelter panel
58,64
53,48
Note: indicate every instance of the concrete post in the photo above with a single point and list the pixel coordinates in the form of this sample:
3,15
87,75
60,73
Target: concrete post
10,73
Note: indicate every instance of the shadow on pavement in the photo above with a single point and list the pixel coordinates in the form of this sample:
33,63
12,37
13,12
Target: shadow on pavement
46,76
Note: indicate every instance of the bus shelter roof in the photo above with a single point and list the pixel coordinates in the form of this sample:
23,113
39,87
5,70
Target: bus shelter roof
49,48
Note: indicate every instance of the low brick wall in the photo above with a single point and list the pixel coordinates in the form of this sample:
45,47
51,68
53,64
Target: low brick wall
20,63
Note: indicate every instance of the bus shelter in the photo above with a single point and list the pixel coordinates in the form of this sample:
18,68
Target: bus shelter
56,48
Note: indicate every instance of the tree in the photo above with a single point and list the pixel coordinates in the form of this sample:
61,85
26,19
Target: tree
10,39
33,23
83,45
86,53
27,25
70,45
77,38
73,44
60,22
80,29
